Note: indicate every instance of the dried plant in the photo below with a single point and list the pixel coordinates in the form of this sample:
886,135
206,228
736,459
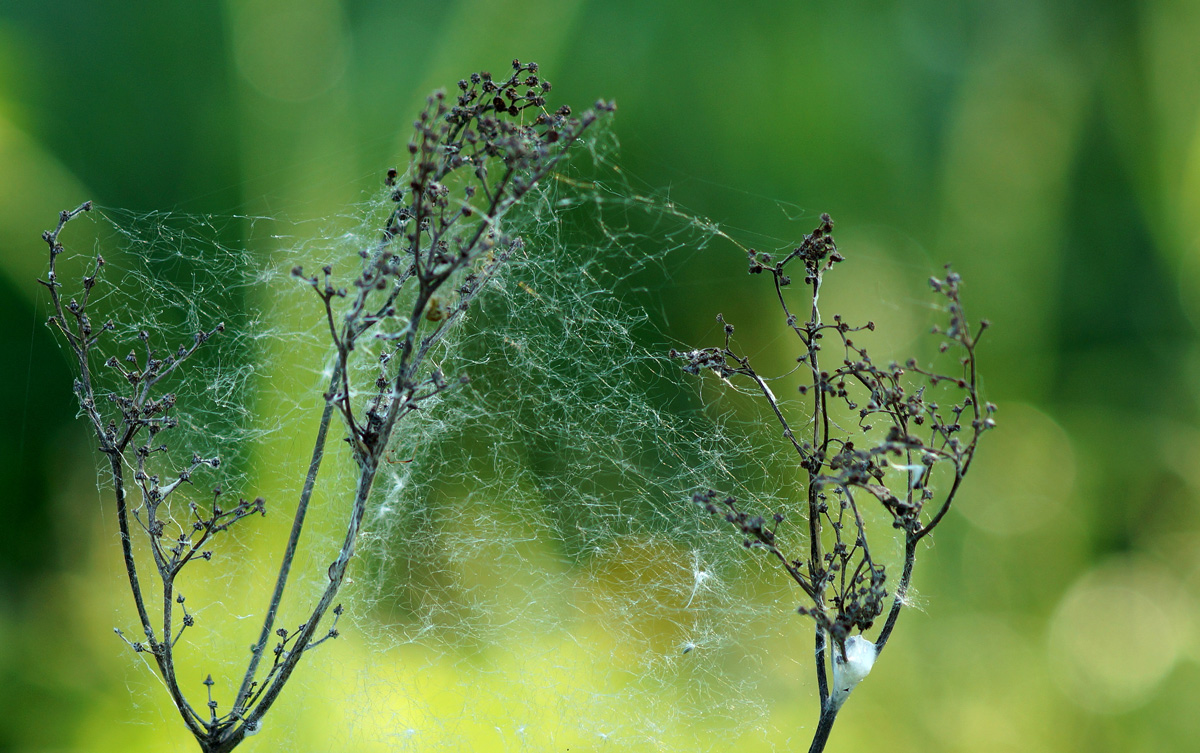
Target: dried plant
874,435
473,158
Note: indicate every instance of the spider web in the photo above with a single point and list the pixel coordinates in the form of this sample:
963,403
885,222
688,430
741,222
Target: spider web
532,574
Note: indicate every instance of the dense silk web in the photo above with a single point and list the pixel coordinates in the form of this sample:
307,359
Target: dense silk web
533,574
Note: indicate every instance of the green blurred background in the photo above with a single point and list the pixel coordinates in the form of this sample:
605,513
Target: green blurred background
1051,150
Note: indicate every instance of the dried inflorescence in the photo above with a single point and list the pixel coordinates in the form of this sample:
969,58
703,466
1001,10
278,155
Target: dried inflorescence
440,245
471,164
902,440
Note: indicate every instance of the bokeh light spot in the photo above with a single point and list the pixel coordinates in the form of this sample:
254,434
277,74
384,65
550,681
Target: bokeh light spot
1116,635
291,52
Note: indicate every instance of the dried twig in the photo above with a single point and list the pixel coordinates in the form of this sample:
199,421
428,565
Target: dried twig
844,582
474,157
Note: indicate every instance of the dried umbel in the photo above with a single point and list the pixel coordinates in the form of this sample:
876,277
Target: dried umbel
871,435
473,158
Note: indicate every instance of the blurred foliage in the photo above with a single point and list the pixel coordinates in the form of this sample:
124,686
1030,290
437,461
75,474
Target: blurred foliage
1051,150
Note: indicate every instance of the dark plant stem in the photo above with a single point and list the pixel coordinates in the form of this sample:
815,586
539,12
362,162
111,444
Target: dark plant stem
822,677
824,727
910,558
289,552
280,674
